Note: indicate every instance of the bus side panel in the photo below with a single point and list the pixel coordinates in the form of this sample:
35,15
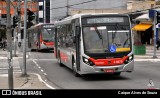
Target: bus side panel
66,57
35,43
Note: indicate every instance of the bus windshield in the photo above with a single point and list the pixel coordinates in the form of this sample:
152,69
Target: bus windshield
107,38
47,34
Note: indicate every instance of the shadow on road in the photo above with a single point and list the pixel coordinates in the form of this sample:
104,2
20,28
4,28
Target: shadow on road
43,51
102,77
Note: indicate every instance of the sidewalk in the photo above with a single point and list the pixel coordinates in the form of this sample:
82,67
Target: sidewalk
149,55
32,81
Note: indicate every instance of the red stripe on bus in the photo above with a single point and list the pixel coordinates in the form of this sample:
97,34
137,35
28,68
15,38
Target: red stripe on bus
63,57
109,62
48,43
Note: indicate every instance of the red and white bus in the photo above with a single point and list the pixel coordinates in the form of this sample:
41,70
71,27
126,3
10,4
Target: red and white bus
41,36
95,43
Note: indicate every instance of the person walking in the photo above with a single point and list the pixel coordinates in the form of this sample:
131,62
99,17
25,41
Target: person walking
4,43
158,43
1,44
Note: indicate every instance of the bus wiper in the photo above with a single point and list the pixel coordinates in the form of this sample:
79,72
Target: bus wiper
97,31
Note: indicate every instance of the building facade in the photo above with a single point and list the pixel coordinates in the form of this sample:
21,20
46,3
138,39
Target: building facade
62,8
32,5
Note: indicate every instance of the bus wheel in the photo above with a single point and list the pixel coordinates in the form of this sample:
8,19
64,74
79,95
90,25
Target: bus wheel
75,69
117,74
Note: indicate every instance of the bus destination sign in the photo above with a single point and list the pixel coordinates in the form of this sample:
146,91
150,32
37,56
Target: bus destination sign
105,20
48,26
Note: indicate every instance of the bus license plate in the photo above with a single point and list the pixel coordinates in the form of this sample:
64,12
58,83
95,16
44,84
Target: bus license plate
109,70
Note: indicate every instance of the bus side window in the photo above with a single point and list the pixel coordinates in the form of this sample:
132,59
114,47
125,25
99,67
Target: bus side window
69,42
73,32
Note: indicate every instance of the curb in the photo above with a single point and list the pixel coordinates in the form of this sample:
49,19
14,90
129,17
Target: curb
38,76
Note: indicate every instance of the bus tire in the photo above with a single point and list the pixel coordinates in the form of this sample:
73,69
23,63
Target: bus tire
117,73
74,68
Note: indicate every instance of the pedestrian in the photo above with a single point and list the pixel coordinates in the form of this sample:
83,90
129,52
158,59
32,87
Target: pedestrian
158,43
4,42
1,44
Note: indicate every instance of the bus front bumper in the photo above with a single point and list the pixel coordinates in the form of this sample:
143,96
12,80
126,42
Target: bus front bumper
86,69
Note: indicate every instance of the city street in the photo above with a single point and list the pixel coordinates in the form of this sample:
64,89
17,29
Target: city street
46,64
99,45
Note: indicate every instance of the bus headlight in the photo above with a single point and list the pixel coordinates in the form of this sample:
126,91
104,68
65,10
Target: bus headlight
87,61
129,59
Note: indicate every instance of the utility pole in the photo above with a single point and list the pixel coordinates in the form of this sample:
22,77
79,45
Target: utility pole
19,18
154,23
9,46
15,35
24,72
15,42
44,20
67,5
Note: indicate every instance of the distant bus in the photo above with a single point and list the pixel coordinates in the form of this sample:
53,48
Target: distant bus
41,37
95,43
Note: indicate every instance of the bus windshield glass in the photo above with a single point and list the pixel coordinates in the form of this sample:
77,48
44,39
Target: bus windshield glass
107,38
47,34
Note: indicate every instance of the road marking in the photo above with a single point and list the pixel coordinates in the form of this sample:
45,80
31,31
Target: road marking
39,77
4,75
39,67
3,68
36,63
42,70
3,58
45,74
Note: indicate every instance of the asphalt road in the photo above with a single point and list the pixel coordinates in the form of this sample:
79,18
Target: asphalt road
63,77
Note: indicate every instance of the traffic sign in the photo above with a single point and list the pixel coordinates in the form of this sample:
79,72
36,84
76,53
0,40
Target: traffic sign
151,13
